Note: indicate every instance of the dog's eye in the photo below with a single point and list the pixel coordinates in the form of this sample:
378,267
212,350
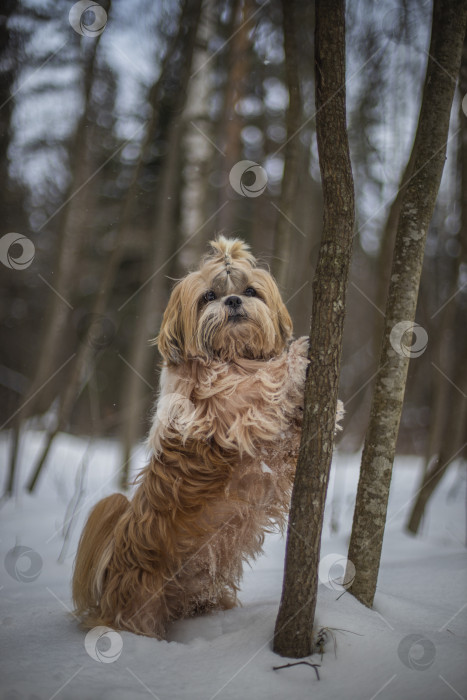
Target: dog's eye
209,296
250,292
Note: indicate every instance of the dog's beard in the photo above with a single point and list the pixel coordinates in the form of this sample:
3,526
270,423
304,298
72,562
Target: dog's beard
248,333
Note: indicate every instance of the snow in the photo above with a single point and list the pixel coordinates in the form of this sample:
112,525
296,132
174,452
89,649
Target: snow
420,608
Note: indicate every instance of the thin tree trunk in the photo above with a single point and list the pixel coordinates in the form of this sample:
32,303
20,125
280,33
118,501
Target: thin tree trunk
294,624
450,448
232,122
290,178
198,148
149,309
449,21
387,247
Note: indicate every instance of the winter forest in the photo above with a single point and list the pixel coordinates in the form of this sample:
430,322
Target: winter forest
131,135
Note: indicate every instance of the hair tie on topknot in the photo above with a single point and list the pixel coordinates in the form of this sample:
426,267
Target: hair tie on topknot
228,250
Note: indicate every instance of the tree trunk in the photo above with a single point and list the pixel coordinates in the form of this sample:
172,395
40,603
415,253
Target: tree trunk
290,178
450,448
294,624
198,148
232,123
449,19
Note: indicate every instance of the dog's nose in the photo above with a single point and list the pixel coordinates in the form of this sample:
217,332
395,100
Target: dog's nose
233,302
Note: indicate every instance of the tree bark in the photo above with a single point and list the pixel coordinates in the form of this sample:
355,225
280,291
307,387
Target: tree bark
294,624
449,21
290,178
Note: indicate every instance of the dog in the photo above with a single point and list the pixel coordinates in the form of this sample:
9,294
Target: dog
224,442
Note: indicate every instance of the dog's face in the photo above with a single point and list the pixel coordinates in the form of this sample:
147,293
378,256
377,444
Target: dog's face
227,309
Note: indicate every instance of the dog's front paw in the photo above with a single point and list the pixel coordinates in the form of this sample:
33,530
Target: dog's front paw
299,347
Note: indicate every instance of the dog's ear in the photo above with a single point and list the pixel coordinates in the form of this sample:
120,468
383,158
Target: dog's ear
284,321
171,341
280,316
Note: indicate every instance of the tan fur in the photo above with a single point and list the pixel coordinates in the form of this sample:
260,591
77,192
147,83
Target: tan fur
224,442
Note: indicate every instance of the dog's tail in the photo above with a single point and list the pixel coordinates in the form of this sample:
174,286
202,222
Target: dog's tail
93,556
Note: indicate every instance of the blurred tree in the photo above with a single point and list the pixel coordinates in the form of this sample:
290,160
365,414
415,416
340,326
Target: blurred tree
448,428
232,122
71,222
448,30
198,148
150,292
293,146
97,329
11,195
293,634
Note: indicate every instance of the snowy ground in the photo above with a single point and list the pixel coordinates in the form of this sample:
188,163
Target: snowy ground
412,645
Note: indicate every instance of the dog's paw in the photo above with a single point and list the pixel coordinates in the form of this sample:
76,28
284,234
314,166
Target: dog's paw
297,360
299,347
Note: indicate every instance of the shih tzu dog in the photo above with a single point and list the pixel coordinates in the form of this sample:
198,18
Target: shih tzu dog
224,442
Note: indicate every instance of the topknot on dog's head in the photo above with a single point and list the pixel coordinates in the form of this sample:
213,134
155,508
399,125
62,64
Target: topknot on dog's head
228,250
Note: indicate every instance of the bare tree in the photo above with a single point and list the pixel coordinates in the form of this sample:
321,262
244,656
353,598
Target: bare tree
231,121
294,624
290,178
449,22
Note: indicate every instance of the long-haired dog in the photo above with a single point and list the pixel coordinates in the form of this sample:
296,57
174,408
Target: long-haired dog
224,442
